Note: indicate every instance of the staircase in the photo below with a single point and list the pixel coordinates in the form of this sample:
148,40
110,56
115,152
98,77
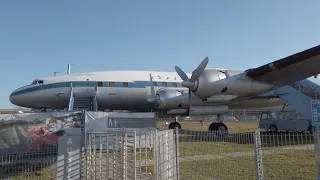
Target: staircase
298,96
83,103
78,103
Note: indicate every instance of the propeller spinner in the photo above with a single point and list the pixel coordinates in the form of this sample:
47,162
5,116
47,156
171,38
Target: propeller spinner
190,83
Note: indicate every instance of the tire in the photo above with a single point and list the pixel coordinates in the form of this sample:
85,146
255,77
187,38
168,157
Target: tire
273,129
174,124
219,129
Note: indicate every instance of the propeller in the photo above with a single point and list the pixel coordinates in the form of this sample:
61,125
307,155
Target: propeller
190,83
153,97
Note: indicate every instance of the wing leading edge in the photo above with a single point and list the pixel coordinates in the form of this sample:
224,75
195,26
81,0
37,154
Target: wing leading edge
289,69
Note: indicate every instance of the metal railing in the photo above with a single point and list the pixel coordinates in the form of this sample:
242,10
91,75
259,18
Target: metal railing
26,153
71,100
95,100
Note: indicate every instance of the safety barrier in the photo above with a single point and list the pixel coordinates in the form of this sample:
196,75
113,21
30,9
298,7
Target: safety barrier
252,155
97,145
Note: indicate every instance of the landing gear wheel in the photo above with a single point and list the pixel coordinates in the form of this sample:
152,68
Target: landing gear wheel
173,125
273,129
220,128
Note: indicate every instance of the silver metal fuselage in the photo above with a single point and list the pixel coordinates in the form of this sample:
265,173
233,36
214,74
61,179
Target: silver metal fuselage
116,90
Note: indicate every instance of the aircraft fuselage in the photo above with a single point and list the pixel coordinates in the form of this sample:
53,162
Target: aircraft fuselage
116,90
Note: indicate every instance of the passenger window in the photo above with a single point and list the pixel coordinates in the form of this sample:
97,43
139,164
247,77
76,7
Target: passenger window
125,84
99,84
264,116
112,84
164,84
174,85
154,83
307,91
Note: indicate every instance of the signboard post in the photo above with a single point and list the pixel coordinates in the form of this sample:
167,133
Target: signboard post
315,114
69,157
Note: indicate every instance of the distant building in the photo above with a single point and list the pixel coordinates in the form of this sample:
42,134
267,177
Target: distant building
14,111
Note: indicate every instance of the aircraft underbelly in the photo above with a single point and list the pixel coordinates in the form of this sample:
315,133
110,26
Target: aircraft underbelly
257,103
48,98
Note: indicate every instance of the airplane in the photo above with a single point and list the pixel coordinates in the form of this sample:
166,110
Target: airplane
205,91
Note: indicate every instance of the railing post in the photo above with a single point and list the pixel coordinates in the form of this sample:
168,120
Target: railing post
316,137
176,134
71,99
83,155
95,103
258,154
155,154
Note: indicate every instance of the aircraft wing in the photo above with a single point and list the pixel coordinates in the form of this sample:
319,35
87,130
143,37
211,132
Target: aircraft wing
290,69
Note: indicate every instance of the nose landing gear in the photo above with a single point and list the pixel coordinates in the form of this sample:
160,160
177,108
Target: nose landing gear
175,124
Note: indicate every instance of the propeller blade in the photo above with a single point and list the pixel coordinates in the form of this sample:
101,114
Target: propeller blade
153,93
189,102
181,73
197,72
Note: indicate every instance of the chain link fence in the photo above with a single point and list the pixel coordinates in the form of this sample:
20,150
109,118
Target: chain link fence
245,156
30,150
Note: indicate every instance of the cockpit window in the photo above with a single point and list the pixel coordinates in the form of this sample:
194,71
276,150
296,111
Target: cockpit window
35,82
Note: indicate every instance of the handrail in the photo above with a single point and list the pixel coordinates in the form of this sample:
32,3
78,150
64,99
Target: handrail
71,100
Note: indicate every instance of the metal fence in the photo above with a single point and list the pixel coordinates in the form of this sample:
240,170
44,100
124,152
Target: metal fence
144,153
22,163
121,154
253,155
287,156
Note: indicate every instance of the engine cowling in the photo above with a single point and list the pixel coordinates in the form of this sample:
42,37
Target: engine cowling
166,99
206,77
214,82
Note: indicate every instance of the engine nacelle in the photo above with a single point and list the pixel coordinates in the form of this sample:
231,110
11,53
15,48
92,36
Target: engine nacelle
214,82
199,111
166,99
208,110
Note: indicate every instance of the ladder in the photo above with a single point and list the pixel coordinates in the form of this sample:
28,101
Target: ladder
298,95
78,103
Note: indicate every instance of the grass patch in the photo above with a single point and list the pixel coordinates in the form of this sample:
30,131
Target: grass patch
44,174
202,148
288,165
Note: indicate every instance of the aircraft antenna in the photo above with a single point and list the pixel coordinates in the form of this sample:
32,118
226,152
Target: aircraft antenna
69,68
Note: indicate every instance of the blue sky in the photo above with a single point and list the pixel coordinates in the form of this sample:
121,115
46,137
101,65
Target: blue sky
40,37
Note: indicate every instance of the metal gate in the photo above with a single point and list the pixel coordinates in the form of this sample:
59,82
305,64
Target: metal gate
110,155
122,154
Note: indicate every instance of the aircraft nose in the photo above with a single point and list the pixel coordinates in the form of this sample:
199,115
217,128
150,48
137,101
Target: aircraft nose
14,99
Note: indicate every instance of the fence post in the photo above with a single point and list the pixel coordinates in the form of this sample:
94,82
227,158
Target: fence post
176,134
316,137
82,147
155,154
258,154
